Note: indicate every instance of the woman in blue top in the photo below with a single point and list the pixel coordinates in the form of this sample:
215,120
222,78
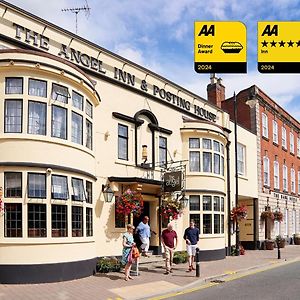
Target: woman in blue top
128,243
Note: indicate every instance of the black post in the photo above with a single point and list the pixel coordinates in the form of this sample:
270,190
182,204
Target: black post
197,257
236,176
278,249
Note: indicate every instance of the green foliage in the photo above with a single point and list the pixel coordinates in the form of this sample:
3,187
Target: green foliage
180,257
108,264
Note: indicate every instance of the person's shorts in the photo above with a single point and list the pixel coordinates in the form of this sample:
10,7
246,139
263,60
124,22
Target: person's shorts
191,250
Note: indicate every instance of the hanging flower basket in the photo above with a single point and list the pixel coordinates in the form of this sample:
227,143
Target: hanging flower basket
267,214
171,208
278,216
239,213
130,202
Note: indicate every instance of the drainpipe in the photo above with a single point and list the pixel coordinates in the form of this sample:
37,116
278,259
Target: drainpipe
228,200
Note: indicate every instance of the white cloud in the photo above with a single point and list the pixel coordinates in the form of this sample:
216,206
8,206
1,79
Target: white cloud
125,50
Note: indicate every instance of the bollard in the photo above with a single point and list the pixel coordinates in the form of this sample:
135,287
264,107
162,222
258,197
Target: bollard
278,251
197,262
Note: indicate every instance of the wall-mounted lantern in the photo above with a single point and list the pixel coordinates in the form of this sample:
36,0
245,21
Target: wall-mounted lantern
108,193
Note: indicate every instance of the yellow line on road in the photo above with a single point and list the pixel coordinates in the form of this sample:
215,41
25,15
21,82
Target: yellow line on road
233,277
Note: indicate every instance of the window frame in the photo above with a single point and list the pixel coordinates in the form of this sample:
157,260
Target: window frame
89,222
18,213
45,121
40,230
275,132
82,98
66,180
276,174
59,232
62,95
77,231
40,80
5,183
6,79
89,196
66,121
28,183
293,180
292,143
123,138
284,178
283,138
266,171
83,190
165,151
73,140
265,125
21,117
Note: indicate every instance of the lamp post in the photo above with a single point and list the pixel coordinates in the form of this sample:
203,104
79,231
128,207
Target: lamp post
237,246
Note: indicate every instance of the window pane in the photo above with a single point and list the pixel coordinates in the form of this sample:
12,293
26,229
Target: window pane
13,116
196,219
59,187
216,203
60,93
37,118
59,122
77,100
222,223
222,203
36,185
89,109
13,220
13,85
89,192
194,143
217,163
89,134
207,224
222,166
37,88
162,151
77,221
216,146
123,131
207,161
76,128
59,220
194,161
216,223
12,185
207,203
37,220
78,190
194,202
206,143
89,221
122,142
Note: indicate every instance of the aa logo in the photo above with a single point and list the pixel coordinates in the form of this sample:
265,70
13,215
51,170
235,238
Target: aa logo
207,31
270,31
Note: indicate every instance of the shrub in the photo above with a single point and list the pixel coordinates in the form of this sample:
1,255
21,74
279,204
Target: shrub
108,264
180,257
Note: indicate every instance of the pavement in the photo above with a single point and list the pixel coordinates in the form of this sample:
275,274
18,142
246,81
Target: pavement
151,281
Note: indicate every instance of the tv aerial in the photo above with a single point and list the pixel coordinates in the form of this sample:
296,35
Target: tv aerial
76,11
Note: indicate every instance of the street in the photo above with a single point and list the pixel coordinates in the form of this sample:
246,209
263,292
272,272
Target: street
278,283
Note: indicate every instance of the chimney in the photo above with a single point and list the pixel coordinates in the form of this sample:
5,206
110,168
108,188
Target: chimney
215,90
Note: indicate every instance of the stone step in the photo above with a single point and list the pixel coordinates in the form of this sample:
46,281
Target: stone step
150,260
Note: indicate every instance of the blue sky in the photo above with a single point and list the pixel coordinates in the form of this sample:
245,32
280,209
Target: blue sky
159,35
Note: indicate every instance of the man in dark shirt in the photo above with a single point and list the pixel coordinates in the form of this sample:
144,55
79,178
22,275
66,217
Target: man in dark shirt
191,236
169,241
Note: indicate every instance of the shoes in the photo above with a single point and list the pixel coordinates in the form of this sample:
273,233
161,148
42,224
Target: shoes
126,278
193,268
145,254
130,277
190,269
171,271
167,273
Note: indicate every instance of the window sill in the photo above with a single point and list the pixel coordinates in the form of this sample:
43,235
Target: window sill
243,177
205,174
46,241
284,149
265,138
125,162
275,144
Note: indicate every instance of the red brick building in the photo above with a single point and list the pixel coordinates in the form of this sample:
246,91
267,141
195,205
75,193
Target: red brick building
278,157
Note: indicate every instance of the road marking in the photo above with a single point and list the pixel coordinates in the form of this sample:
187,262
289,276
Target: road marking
230,272
207,285
231,278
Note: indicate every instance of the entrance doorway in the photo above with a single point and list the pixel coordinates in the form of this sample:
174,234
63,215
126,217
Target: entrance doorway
137,220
